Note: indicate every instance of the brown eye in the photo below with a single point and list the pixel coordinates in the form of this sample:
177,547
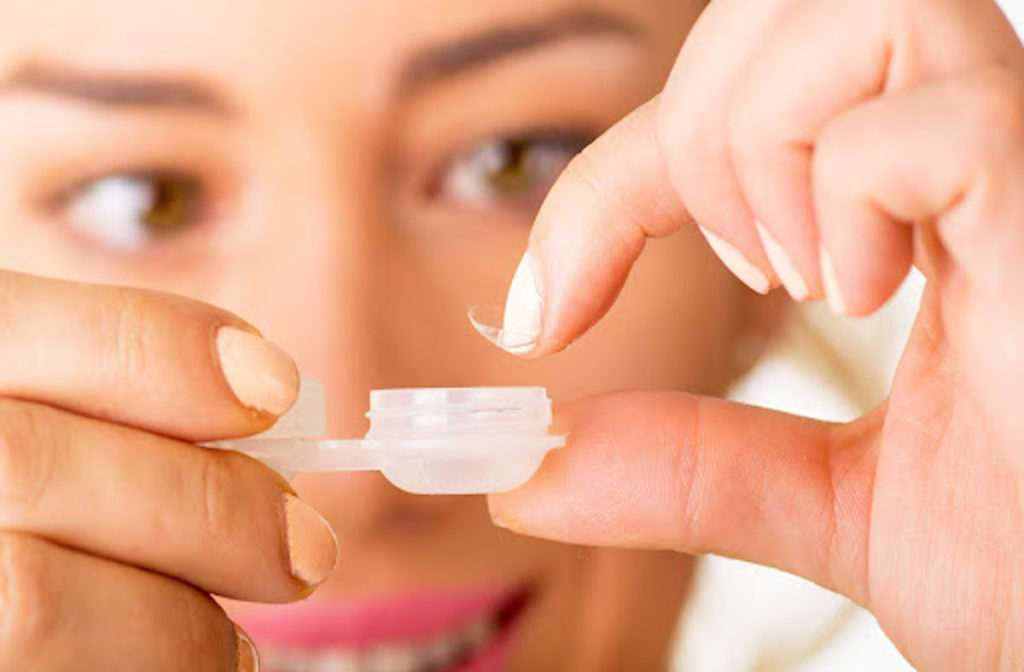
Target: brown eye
173,202
511,166
127,212
510,170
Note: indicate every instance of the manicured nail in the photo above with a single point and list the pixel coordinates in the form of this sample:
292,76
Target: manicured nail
498,521
832,291
246,658
750,275
312,546
521,324
790,277
261,375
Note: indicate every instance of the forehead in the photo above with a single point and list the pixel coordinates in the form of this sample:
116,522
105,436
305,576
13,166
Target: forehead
180,31
278,34
324,57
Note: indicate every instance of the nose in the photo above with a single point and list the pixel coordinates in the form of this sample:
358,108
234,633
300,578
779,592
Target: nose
323,275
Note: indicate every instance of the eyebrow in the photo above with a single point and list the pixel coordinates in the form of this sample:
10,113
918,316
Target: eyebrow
423,67
446,60
117,90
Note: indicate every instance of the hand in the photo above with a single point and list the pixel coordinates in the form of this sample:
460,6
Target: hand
862,137
114,528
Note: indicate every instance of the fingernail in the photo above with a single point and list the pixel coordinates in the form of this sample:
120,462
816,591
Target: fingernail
498,521
261,375
832,292
790,277
521,324
246,657
312,546
750,275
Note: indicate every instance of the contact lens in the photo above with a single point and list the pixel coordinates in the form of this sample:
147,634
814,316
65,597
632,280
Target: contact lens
488,321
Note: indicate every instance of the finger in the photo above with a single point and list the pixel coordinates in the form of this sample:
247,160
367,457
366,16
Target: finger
668,470
155,361
589,231
879,169
788,93
693,132
63,610
215,519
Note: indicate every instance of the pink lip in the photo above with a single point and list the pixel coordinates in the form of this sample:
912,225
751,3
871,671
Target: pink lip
411,617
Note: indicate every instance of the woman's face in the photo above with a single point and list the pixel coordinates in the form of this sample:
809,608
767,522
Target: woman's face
351,177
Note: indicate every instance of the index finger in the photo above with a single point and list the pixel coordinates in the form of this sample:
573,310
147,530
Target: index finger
155,361
590,230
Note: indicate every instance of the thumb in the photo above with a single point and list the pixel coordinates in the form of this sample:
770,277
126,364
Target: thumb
674,471
589,231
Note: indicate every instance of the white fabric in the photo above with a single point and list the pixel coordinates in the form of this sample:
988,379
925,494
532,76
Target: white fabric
747,617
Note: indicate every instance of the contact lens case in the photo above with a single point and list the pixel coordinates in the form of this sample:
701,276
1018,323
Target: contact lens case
453,440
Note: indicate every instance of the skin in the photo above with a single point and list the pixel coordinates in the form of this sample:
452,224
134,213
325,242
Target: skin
914,510
330,224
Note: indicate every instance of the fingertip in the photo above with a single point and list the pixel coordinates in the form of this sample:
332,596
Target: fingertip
535,508
524,306
833,291
502,509
791,278
858,283
488,321
496,510
247,659
262,376
528,511
739,264
589,231
311,542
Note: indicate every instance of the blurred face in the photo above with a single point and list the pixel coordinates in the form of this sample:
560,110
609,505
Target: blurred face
351,177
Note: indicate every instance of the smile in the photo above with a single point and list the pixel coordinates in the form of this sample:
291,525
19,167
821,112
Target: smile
424,633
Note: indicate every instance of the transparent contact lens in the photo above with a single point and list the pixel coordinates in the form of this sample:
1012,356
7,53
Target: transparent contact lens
460,440
489,321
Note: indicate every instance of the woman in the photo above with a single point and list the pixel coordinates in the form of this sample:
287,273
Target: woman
350,177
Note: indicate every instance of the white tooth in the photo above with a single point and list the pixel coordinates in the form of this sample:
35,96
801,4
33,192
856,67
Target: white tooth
388,659
421,657
479,633
270,659
285,661
441,651
336,661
